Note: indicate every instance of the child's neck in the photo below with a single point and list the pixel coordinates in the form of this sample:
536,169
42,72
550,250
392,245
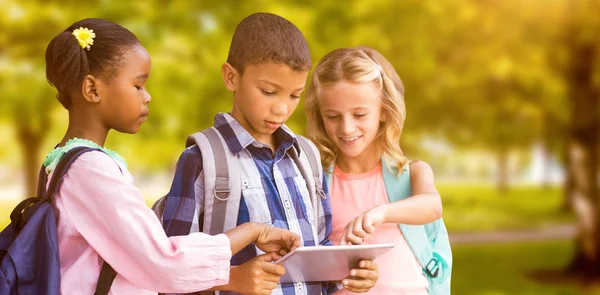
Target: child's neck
362,163
84,129
99,140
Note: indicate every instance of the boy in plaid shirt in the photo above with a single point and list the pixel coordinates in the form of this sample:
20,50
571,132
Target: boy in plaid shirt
266,70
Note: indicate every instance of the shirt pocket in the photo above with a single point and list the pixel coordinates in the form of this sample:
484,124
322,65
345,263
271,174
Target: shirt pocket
256,200
303,196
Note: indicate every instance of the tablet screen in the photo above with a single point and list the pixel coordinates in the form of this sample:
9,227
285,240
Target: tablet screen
327,263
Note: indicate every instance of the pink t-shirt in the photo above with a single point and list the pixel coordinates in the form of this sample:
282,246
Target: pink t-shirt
352,195
102,215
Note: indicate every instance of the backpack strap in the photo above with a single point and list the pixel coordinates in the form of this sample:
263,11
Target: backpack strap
107,273
314,159
329,176
398,188
159,207
222,188
42,181
308,158
59,173
65,162
105,280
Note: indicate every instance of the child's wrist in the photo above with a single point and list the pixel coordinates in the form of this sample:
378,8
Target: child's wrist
230,285
233,271
385,209
256,230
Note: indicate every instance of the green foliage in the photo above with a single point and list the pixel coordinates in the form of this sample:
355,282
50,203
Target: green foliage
476,73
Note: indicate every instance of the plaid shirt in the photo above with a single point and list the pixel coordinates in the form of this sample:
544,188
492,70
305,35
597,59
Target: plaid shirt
271,184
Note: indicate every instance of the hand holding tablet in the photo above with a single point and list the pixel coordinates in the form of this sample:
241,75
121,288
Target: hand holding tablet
327,263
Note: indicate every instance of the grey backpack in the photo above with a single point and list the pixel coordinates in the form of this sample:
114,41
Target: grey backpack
223,184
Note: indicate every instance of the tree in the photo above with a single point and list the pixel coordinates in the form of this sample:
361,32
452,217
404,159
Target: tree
583,130
25,29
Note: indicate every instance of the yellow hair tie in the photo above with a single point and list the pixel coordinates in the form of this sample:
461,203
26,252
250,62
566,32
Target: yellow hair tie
85,37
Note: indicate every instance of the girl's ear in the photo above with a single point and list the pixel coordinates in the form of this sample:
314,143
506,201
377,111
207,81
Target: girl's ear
383,116
230,76
89,89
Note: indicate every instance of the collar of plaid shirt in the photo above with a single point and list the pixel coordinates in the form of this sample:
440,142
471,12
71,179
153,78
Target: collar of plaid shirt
238,138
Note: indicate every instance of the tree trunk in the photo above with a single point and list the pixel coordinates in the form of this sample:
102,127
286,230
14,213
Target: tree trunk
503,173
546,162
583,135
568,192
31,142
32,127
583,169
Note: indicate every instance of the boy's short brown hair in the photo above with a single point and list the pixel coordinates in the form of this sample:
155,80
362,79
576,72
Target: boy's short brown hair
266,37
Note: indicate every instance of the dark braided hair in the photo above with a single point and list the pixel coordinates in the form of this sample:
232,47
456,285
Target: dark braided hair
67,63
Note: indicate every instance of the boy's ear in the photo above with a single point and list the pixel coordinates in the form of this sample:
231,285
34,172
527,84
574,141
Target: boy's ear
89,89
230,76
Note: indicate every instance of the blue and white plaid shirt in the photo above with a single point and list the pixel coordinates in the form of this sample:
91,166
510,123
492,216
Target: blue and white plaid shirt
271,184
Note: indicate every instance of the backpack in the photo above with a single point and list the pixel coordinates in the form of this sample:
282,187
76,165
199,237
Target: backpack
221,173
29,259
222,180
429,242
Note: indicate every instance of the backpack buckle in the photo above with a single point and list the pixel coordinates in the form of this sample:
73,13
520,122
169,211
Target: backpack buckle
432,270
321,194
224,192
221,189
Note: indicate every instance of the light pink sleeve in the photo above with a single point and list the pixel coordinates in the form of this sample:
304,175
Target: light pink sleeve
110,213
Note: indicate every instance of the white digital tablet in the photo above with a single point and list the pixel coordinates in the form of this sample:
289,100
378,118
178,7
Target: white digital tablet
327,263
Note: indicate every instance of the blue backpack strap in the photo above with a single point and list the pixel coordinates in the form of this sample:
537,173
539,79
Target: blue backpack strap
107,273
18,217
42,181
434,265
60,171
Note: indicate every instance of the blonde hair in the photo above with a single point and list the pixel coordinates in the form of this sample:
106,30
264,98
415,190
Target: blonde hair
358,65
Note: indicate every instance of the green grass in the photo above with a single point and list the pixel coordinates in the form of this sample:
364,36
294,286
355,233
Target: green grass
482,207
503,269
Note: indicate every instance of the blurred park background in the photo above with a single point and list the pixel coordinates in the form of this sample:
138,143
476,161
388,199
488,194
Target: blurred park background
502,100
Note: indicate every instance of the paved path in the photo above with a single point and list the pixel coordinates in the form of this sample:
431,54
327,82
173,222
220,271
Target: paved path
554,232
